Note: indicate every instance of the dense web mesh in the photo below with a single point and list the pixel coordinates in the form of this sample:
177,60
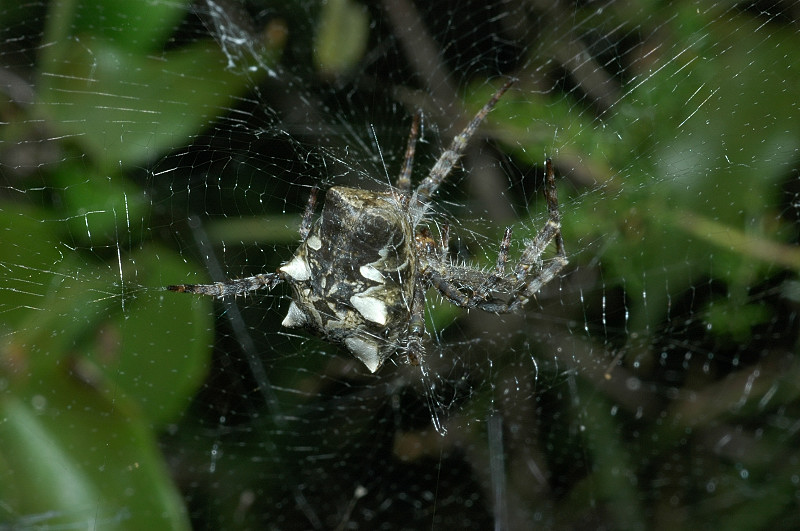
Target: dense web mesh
653,383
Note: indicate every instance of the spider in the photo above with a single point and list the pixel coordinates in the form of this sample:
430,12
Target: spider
361,273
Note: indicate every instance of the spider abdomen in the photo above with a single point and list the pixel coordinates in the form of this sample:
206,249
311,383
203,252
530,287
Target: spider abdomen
353,276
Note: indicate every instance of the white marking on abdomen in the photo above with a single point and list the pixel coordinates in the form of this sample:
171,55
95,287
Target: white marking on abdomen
368,271
370,308
297,269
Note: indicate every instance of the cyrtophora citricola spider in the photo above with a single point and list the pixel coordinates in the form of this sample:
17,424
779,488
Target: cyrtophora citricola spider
360,276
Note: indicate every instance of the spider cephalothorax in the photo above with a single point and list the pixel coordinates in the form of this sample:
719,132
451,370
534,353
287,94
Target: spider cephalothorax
361,273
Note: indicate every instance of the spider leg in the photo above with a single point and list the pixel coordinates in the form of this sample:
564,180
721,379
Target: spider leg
518,285
482,300
443,279
445,241
239,286
549,233
416,325
404,179
502,256
448,159
499,274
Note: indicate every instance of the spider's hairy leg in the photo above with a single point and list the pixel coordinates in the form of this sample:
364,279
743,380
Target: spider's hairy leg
449,291
474,289
551,232
241,286
502,256
445,239
238,286
416,325
482,297
448,159
404,179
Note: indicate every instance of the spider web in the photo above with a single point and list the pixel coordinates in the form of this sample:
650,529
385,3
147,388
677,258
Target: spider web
653,384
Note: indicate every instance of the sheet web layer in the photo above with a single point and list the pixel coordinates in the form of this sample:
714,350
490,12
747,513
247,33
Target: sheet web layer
652,382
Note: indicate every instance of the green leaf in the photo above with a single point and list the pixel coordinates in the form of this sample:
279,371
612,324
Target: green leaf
126,109
52,466
91,351
137,25
341,37
126,338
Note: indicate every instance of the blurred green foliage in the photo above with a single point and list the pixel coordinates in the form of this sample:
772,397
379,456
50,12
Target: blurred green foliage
92,362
